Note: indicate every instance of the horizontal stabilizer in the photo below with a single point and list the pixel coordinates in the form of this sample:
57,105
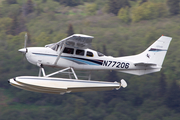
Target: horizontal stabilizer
141,71
144,64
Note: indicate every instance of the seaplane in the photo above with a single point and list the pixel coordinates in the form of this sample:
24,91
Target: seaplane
74,53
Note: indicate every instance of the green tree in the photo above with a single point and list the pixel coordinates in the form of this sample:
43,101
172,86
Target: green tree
173,97
70,30
173,6
137,101
22,24
11,1
148,10
42,39
13,28
70,2
104,49
110,94
79,106
121,52
115,5
91,8
5,24
16,26
143,1
11,114
28,7
123,14
162,85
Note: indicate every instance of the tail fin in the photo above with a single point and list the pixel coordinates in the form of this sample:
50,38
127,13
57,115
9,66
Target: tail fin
156,53
151,59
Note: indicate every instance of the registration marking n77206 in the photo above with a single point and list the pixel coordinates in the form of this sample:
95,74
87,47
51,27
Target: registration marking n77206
115,64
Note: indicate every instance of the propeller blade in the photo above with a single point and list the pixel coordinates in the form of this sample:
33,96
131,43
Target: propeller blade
24,50
25,42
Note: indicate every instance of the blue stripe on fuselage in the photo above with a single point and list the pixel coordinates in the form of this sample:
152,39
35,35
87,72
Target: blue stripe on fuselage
75,59
42,54
80,60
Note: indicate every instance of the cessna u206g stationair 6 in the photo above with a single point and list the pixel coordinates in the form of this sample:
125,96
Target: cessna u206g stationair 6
73,53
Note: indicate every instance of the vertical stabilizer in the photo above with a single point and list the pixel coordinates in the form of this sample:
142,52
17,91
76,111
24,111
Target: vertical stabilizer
157,51
151,59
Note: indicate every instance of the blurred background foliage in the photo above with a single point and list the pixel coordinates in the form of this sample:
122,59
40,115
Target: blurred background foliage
120,27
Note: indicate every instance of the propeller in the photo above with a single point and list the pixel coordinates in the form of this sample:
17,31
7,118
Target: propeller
24,50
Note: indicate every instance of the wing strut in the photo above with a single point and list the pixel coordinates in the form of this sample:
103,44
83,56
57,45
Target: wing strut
61,50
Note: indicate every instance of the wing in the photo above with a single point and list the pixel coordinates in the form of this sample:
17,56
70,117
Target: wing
76,41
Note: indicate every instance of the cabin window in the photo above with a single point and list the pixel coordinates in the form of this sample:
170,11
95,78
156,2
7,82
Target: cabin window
80,52
56,47
89,54
68,50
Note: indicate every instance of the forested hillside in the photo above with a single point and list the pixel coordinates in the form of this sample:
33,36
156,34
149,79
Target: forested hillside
120,27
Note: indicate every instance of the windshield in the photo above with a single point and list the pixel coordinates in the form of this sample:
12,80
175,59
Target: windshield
50,45
53,46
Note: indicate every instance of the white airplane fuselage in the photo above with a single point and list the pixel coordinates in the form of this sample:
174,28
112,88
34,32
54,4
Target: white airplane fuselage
47,57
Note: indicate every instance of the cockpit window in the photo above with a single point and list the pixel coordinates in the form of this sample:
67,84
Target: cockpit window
68,50
100,54
80,52
57,46
52,46
89,54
